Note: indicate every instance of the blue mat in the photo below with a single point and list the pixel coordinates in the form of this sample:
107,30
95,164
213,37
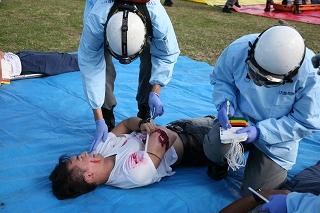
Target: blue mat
45,117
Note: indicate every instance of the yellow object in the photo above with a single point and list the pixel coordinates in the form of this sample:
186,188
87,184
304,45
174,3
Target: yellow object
222,2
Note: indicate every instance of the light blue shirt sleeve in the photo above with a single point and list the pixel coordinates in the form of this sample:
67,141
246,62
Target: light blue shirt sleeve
164,48
302,203
91,54
89,5
283,114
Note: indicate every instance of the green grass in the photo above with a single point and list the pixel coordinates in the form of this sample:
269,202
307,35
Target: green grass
203,31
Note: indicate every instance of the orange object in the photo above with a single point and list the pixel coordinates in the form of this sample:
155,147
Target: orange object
238,122
5,81
302,7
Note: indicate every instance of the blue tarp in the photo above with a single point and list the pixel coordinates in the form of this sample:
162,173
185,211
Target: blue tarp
43,118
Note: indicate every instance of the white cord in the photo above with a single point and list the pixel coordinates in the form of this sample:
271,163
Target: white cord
146,146
235,156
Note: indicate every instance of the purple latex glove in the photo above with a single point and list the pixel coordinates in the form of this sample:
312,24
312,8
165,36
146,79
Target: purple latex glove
101,134
223,114
277,204
252,131
316,61
155,105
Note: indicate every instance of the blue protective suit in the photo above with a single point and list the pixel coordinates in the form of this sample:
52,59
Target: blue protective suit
89,5
302,203
164,48
283,114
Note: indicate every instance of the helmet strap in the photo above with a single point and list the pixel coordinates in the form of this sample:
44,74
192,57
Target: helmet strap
126,7
124,29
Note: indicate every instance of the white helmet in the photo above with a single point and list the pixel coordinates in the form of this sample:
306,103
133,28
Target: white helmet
276,55
126,35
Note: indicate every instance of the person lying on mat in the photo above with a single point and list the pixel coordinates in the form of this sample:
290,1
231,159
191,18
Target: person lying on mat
300,194
269,79
32,62
123,161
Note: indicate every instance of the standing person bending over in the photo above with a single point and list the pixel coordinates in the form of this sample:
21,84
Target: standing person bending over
125,30
127,159
272,83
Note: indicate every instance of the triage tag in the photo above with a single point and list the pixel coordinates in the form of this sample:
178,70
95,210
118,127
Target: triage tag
230,135
6,70
235,156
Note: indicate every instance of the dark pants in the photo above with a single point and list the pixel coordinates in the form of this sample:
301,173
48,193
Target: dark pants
195,130
47,63
144,87
230,3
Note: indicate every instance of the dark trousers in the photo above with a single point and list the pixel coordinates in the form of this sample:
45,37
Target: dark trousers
47,63
144,87
195,130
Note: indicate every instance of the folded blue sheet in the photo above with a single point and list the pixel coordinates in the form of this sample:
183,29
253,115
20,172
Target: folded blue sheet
43,118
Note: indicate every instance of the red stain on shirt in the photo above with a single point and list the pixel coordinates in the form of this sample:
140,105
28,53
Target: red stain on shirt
135,159
124,143
163,139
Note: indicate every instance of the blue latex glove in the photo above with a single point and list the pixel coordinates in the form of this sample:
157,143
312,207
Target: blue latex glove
223,114
155,105
252,131
101,134
316,61
277,204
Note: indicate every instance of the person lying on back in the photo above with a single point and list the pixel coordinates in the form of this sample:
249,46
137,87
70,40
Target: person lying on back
136,153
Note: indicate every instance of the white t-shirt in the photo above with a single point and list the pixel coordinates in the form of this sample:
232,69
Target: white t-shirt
15,63
133,167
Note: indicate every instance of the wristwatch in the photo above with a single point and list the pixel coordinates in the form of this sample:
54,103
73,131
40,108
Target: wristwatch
256,197
143,121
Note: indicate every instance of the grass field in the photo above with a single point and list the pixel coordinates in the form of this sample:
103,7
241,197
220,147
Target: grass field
203,31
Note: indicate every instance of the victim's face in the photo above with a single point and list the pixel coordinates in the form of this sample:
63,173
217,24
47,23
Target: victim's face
86,162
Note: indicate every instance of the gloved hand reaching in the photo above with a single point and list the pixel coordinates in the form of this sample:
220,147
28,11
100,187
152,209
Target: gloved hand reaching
155,105
252,131
223,114
277,204
101,134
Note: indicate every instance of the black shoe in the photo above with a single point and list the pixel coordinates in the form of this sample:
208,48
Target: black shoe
108,117
144,112
297,12
168,3
217,172
226,9
237,4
